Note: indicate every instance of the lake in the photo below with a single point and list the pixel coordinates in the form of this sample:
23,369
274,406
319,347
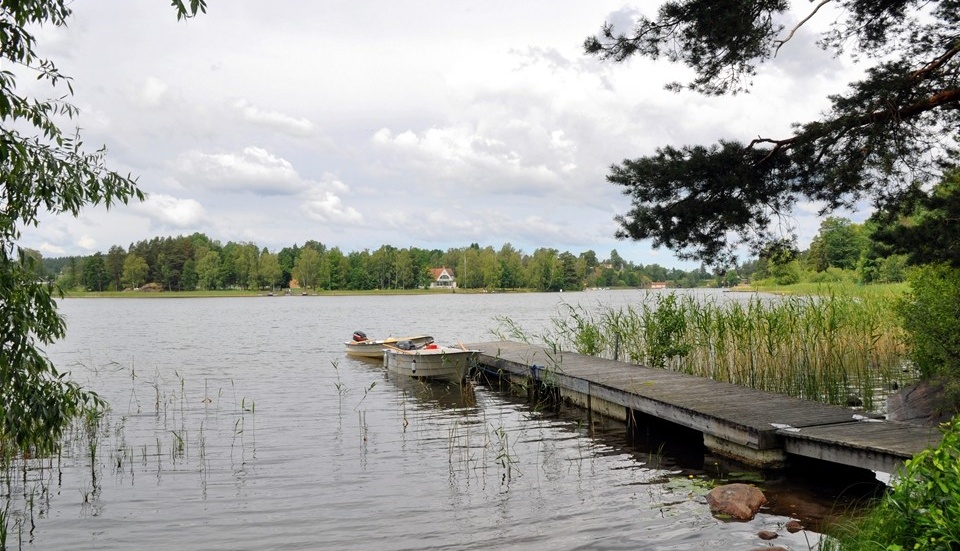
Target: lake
239,423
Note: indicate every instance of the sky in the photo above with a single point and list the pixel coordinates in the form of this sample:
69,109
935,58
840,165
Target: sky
429,123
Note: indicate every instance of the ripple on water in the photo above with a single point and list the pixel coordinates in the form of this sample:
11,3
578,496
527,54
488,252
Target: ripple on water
239,424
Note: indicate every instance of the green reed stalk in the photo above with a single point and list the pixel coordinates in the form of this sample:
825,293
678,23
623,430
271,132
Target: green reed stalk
828,348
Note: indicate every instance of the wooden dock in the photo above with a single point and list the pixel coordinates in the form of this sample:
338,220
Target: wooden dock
758,428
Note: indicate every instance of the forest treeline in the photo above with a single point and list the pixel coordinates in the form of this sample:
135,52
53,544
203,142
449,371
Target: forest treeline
196,262
841,251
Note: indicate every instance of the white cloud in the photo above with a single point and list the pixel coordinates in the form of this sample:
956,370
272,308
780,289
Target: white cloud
49,249
322,203
172,212
253,169
273,119
494,138
152,92
87,243
465,155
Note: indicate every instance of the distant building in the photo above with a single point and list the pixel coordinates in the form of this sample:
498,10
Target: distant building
442,278
658,284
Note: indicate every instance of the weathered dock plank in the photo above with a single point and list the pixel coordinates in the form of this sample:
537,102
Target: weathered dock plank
880,446
749,425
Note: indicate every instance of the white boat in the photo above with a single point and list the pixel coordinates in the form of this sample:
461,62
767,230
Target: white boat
445,363
363,347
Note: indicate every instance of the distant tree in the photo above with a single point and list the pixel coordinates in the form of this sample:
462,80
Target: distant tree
315,245
511,267
489,268
69,276
228,275
406,270
886,132
269,270
336,268
200,241
656,272
135,270
838,244
590,259
208,271
114,266
95,276
243,260
570,279
189,278
307,267
383,265
616,261
359,276
543,270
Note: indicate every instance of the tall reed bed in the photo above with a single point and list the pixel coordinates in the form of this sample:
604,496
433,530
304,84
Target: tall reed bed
833,348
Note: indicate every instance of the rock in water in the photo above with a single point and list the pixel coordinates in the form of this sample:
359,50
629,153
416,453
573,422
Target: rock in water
921,404
738,501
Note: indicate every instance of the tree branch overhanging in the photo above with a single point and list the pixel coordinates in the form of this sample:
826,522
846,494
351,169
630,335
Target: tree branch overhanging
794,30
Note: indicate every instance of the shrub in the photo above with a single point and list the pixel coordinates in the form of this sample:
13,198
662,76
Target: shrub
930,313
922,508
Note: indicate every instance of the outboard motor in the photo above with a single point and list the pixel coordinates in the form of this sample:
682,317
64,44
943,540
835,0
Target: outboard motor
359,336
406,345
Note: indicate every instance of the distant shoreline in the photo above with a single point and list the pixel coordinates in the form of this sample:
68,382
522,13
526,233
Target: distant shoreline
267,294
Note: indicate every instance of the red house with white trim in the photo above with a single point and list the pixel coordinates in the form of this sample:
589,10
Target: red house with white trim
442,278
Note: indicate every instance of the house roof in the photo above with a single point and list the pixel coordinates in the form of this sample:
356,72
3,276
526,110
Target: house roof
437,272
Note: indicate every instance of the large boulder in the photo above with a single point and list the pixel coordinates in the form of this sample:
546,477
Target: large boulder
923,403
737,501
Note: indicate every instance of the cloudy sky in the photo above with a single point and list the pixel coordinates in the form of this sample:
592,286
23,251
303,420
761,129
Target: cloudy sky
431,123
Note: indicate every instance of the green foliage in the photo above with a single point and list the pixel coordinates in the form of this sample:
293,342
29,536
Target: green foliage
186,263
838,244
924,226
882,135
664,328
930,313
38,401
787,273
921,510
42,168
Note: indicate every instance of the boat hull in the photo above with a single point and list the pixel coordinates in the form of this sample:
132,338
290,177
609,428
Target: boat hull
374,348
441,363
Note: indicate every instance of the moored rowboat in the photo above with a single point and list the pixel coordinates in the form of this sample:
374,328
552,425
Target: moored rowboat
431,362
370,348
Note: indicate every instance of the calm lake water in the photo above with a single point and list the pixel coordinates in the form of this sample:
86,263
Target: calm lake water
239,423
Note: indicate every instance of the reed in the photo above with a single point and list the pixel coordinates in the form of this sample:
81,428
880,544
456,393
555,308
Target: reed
836,348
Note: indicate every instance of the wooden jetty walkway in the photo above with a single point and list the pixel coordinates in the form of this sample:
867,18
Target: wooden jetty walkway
755,427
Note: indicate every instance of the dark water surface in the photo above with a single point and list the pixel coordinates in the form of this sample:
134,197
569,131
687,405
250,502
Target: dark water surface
238,423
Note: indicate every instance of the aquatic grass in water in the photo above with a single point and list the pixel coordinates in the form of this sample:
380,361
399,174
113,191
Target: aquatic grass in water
97,439
838,348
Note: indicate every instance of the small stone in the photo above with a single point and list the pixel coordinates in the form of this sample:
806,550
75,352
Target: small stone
793,526
767,535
